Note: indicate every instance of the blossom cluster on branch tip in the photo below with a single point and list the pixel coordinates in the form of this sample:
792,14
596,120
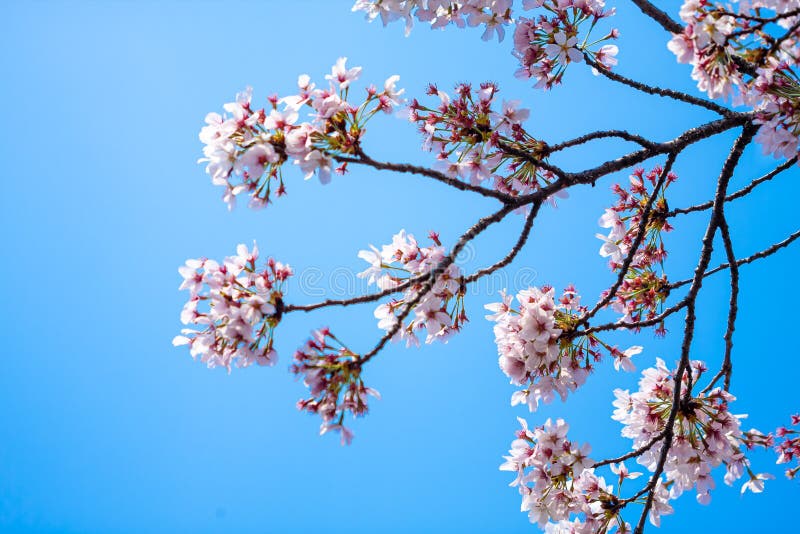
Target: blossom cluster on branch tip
560,490
477,142
788,446
786,443
237,307
705,433
245,149
440,311
537,347
560,487
545,45
737,51
644,287
493,15
332,373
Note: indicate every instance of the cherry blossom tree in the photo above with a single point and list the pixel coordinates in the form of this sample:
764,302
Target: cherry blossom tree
744,57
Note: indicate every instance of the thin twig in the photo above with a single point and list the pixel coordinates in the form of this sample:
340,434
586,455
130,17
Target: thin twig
363,159
521,154
589,176
354,300
602,134
738,194
633,454
750,259
651,90
523,238
638,324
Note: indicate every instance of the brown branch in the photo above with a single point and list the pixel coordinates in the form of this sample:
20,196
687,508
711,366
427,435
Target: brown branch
354,300
666,22
651,90
603,134
514,151
697,281
738,194
411,281
633,454
535,199
676,145
733,307
363,159
780,40
750,259
763,20
638,324
523,238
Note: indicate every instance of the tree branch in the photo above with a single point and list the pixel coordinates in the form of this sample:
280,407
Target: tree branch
523,238
633,454
650,90
354,300
666,22
750,259
638,324
363,159
697,282
621,134
738,194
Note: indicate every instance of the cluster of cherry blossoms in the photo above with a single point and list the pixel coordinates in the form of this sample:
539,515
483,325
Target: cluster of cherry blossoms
707,45
777,88
644,287
785,441
476,142
237,306
332,373
545,45
440,311
493,15
560,490
246,148
750,56
705,433
537,347
788,446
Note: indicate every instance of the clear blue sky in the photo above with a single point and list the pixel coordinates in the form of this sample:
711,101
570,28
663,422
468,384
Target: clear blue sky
105,427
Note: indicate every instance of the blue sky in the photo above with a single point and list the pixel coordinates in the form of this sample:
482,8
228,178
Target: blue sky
105,427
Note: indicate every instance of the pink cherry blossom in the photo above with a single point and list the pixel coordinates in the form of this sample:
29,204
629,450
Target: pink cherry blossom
246,151
440,312
332,374
563,50
241,308
532,352
341,76
706,434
